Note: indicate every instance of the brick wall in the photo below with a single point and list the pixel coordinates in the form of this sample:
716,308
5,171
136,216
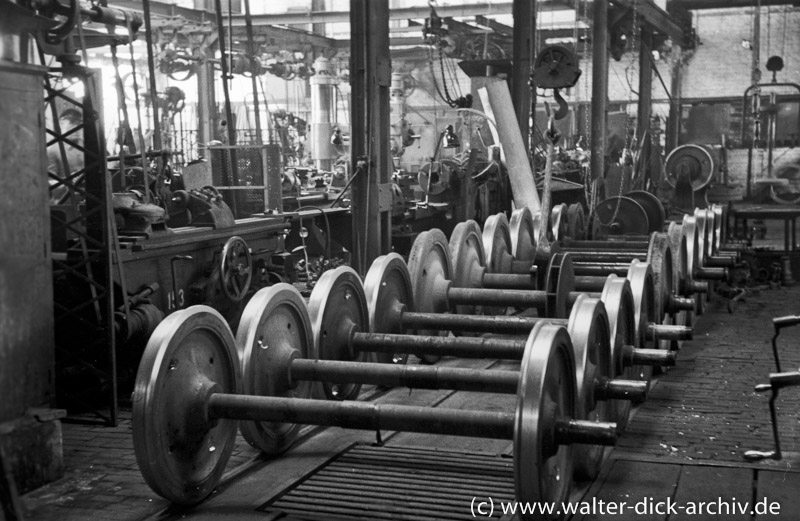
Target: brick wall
721,66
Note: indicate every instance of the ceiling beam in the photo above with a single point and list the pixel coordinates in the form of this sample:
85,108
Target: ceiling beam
656,18
161,8
283,35
724,4
546,34
494,25
404,13
164,9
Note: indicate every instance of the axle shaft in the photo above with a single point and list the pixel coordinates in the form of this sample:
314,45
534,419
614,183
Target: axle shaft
509,281
476,323
463,347
415,376
371,416
494,297
363,415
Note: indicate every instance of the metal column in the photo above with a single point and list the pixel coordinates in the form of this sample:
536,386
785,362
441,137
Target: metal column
370,80
674,122
523,97
599,87
644,109
205,100
322,114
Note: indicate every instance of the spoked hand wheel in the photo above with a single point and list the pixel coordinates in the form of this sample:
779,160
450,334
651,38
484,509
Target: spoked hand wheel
236,270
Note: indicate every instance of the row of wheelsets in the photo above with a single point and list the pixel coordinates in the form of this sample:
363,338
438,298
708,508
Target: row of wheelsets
586,341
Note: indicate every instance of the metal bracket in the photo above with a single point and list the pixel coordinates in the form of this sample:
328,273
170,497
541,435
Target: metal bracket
384,197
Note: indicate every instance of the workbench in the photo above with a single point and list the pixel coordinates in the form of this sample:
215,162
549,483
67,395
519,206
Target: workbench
787,214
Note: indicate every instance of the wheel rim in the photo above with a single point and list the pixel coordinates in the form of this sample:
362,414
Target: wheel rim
180,456
275,328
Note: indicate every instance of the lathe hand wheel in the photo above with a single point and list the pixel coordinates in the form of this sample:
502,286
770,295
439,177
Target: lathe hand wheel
191,353
236,270
212,189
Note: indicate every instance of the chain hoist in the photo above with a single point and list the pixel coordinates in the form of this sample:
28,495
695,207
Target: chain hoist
556,67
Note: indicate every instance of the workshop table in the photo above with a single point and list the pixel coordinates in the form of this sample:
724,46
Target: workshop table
787,214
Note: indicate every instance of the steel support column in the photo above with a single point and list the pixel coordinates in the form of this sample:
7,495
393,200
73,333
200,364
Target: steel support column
370,81
674,122
643,108
599,87
205,100
523,97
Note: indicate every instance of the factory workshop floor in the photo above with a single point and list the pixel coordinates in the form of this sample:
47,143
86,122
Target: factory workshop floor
685,443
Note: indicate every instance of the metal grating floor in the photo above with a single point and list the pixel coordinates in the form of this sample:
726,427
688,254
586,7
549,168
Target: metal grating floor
398,483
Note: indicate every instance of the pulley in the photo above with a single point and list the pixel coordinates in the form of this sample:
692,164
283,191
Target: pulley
694,162
556,67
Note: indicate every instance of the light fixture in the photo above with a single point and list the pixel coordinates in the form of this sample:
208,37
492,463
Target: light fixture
450,138
746,43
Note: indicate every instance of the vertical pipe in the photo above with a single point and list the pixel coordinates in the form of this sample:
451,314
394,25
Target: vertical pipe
521,92
322,114
772,121
225,74
599,87
205,100
756,50
152,67
251,51
756,99
643,109
230,152
675,112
